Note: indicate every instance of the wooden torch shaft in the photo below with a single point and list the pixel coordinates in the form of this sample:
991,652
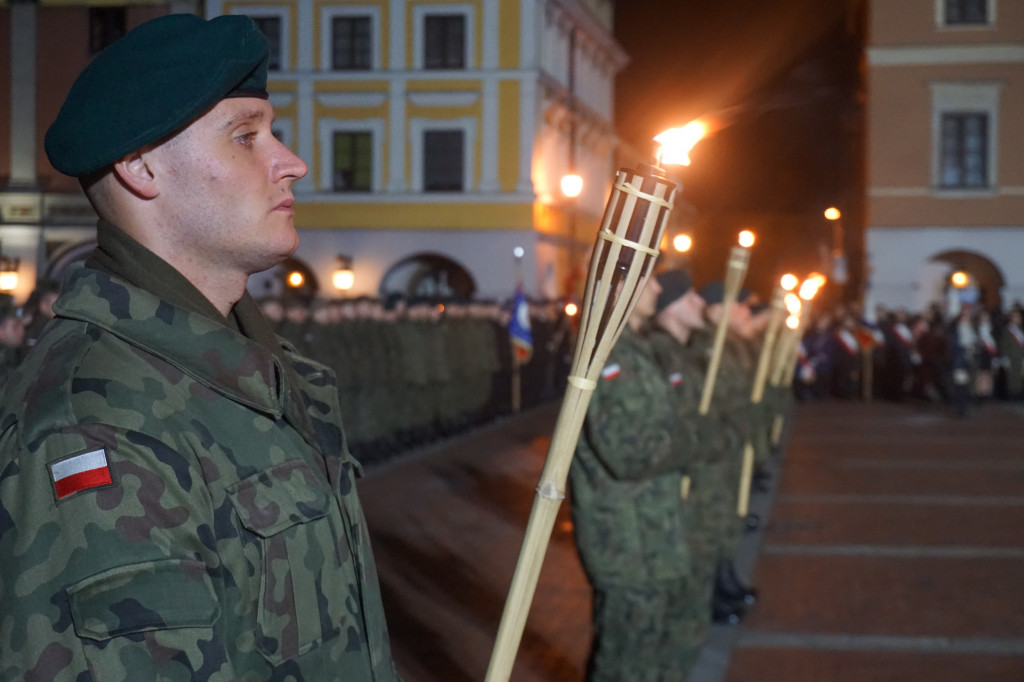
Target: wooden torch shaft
736,270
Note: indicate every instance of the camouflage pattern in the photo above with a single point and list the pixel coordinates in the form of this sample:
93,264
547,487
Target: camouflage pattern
646,633
230,544
631,525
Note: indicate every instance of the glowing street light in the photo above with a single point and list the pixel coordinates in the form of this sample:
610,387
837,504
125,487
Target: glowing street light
295,279
572,185
959,279
682,243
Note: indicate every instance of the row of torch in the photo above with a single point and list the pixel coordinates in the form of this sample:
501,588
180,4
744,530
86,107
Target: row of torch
623,260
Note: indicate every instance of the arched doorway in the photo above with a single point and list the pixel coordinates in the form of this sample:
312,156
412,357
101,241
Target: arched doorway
983,273
428,275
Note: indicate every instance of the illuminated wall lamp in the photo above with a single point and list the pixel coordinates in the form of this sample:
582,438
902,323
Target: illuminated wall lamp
344,279
8,273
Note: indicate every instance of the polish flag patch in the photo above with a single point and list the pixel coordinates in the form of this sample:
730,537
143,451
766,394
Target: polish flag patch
80,472
611,371
675,378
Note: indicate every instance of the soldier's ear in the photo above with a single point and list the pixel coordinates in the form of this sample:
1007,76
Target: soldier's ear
135,173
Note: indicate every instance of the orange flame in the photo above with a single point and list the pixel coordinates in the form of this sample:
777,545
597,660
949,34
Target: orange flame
676,143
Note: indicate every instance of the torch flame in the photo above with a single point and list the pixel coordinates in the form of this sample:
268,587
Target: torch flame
746,239
792,302
789,282
682,243
676,143
808,289
793,322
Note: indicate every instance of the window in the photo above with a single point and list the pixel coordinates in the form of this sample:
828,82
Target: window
351,44
353,162
271,29
964,150
960,12
106,24
444,44
443,161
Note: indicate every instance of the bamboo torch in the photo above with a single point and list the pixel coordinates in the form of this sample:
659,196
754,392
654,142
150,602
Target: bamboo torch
623,260
778,313
735,271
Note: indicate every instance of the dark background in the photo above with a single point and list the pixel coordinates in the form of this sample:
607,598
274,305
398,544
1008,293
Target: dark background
781,81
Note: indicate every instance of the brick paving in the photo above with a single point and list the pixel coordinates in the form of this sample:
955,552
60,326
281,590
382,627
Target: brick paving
892,550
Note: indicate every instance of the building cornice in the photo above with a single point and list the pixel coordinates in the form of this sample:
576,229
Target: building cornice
931,55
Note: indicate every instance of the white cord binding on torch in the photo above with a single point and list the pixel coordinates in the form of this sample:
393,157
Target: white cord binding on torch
625,242
583,384
630,189
550,491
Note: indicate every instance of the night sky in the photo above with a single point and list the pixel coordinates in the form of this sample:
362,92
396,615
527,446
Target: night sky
778,76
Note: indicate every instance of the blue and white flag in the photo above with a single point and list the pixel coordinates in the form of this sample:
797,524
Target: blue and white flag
519,328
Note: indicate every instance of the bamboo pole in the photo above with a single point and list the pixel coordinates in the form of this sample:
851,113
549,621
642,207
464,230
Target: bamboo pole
735,271
778,315
623,260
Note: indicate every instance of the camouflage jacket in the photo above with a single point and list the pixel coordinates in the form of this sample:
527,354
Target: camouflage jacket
630,523
165,515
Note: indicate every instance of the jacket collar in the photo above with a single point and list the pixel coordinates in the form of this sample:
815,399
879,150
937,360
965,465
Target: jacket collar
205,349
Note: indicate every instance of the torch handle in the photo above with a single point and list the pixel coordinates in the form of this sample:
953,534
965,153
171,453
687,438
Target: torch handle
735,271
546,502
771,334
743,501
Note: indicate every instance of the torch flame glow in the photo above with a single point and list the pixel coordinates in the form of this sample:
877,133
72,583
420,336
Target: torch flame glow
808,289
682,243
571,309
793,322
792,302
747,239
676,143
789,282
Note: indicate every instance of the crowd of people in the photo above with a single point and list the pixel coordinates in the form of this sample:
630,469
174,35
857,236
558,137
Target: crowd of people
962,357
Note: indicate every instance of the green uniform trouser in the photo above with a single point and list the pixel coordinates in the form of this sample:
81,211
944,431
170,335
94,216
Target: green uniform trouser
648,632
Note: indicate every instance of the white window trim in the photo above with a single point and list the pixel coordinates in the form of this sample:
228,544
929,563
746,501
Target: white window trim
940,18
281,12
963,98
418,126
327,15
327,128
419,16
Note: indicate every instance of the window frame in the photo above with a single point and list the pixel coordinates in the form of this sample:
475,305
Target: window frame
418,130
420,14
941,22
327,17
965,98
328,128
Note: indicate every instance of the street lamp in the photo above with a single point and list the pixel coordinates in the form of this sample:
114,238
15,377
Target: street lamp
343,278
834,216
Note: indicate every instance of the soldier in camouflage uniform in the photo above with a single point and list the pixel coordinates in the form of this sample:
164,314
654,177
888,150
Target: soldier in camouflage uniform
631,526
177,501
738,419
679,315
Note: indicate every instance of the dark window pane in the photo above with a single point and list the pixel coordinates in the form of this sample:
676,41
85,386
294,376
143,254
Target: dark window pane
964,150
271,28
966,11
444,41
106,24
351,43
442,161
353,162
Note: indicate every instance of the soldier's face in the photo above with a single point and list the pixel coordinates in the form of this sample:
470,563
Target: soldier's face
226,188
688,309
648,300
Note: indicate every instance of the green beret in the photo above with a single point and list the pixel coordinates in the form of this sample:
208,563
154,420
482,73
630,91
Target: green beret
714,292
152,82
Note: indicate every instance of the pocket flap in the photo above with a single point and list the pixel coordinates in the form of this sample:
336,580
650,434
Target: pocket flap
154,595
279,498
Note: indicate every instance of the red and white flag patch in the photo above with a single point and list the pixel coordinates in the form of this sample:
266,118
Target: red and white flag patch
611,371
80,472
675,378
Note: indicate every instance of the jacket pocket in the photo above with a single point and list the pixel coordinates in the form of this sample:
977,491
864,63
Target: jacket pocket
286,508
154,613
